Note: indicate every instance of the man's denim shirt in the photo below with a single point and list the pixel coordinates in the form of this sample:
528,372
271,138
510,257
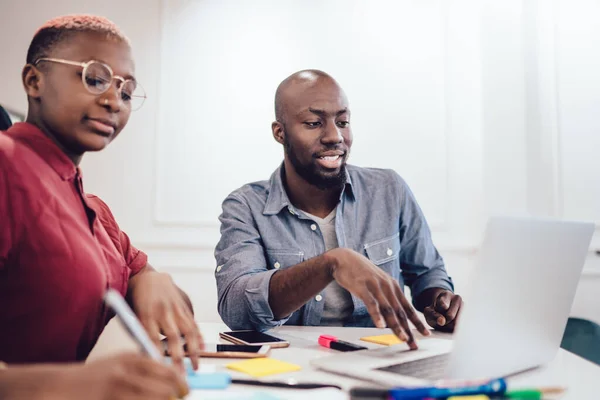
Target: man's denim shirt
262,232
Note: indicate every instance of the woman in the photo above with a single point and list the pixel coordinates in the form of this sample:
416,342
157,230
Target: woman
60,248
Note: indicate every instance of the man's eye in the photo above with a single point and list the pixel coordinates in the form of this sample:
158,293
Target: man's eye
343,124
312,124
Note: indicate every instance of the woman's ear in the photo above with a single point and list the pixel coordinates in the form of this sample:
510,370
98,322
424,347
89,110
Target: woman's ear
33,81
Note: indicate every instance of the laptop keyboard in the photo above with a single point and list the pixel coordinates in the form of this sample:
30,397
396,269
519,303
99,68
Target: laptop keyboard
425,368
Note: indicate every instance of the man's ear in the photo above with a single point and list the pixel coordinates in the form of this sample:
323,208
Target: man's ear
278,131
33,81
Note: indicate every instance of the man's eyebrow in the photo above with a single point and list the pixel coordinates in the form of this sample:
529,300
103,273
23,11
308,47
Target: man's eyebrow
320,112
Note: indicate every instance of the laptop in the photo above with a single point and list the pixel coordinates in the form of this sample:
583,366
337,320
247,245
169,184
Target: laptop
513,317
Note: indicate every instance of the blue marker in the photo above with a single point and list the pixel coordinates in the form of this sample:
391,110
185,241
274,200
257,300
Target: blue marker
492,388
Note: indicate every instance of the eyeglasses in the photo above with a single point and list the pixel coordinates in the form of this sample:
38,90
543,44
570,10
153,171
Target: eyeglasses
97,78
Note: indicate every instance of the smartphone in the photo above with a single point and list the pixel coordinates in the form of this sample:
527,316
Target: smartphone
217,350
254,338
234,351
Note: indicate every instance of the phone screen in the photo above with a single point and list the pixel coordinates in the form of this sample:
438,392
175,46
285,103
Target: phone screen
238,348
254,337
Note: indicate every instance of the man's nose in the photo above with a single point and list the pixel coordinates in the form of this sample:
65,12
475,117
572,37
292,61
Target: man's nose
332,134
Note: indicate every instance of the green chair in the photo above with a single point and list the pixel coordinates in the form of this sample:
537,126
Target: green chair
582,337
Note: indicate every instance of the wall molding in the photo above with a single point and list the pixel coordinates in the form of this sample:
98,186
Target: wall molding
457,247
160,221
544,165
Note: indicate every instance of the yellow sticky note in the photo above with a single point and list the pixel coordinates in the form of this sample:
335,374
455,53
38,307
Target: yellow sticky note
386,340
258,367
474,397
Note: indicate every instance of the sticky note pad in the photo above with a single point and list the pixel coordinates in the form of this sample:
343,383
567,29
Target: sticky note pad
258,367
200,380
386,340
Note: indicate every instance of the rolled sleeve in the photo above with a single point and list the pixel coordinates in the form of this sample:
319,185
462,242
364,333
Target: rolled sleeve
134,258
242,276
422,266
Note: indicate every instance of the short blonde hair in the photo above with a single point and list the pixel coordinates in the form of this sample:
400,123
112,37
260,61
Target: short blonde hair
54,31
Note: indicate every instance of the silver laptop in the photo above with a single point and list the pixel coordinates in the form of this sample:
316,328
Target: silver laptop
514,314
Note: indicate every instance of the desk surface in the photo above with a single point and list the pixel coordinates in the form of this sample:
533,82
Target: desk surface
579,376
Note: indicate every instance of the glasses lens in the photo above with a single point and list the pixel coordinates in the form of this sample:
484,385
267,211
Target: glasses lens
97,78
133,93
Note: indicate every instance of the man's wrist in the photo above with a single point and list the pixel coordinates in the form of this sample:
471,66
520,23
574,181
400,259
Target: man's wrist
331,262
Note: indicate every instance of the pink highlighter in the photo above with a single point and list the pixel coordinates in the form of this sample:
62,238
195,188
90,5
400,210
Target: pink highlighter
332,342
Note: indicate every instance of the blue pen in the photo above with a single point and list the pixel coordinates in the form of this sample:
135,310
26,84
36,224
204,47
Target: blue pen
491,388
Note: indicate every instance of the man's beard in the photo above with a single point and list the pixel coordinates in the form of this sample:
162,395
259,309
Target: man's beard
311,174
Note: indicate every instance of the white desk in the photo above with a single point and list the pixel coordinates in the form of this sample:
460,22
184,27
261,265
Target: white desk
578,375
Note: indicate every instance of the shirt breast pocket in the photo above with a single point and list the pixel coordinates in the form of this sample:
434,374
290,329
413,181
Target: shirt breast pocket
385,253
278,258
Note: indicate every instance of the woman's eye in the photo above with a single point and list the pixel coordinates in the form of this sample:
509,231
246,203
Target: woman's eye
95,82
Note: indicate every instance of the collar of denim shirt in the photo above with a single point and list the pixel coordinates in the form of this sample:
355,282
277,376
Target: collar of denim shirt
278,198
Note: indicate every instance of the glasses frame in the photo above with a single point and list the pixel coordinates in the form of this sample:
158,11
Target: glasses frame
85,66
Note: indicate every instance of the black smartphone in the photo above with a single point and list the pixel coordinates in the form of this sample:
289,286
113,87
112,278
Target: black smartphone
249,337
218,350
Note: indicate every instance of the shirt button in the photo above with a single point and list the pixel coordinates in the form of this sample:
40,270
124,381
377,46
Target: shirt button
219,268
390,252
318,297
291,210
277,265
313,227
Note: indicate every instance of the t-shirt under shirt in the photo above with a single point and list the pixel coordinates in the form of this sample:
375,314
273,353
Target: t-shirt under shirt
338,301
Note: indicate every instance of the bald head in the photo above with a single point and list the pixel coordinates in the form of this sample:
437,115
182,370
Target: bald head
313,125
303,83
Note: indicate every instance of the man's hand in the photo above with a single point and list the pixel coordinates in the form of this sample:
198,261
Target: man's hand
161,308
443,310
379,291
122,377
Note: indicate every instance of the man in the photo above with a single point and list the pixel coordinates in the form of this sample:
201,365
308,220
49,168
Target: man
61,248
322,242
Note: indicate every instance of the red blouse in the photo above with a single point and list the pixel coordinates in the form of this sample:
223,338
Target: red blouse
60,249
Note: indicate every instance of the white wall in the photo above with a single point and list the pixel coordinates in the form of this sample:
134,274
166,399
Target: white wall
484,107
577,62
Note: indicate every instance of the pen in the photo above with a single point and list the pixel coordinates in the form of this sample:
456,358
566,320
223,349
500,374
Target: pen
532,394
368,393
117,303
332,342
285,385
494,387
